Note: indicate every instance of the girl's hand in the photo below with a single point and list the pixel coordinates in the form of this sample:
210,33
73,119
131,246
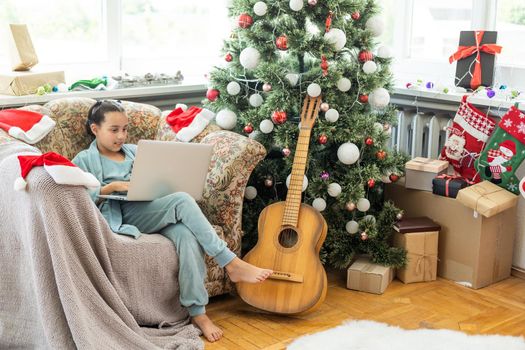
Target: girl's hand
117,186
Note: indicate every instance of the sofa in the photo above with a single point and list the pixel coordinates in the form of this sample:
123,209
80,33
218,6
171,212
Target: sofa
56,246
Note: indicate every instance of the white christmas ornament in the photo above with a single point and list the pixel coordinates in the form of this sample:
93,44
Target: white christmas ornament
379,98
379,127
363,204
305,182
384,52
296,5
375,25
319,204
369,67
331,115
253,135
313,90
348,153
352,227
260,8
336,37
266,126
250,192
344,84
256,100
292,78
249,58
233,88
334,189
370,218
226,119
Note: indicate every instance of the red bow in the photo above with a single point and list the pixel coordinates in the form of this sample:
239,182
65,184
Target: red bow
466,51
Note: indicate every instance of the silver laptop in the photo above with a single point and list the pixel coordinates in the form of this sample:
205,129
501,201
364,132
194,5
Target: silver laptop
165,167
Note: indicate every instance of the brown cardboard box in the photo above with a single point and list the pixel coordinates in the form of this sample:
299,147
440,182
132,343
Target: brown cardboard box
419,172
487,198
419,237
23,55
365,276
26,83
474,251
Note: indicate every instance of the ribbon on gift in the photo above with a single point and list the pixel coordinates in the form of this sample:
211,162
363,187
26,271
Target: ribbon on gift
466,51
472,156
448,178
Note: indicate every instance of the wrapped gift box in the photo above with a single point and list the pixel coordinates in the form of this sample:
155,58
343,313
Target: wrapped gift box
419,237
447,185
473,250
365,276
419,172
26,83
467,54
23,55
487,198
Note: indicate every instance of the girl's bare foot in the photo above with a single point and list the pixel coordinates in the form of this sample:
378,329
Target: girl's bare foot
208,328
241,271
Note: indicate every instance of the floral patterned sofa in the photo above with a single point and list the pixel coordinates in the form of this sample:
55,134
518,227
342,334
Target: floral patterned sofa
233,160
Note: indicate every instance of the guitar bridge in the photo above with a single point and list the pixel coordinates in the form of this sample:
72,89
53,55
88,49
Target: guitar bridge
286,276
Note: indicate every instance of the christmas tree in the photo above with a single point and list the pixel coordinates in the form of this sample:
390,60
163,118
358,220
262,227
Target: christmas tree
278,52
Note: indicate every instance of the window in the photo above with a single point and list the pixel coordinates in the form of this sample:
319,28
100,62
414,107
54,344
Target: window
173,35
510,24
79,36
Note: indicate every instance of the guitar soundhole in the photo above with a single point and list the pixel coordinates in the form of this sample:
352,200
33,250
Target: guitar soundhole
288,238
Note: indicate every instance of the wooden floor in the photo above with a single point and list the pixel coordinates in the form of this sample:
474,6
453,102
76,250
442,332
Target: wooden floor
497,309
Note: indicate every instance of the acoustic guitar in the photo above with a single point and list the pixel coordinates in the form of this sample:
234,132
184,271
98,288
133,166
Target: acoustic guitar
290,237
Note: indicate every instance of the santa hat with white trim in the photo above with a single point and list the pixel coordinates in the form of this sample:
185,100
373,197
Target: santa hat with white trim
26,126
59,167
189,122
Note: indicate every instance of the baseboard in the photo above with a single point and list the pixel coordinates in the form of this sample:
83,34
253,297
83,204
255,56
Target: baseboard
518,272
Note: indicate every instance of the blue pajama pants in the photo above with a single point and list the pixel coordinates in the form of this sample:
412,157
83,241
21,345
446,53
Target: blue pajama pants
178,217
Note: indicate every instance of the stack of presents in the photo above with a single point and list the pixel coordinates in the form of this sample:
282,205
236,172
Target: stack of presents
460,210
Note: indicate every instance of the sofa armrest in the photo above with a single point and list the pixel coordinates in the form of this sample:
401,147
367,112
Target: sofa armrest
234,158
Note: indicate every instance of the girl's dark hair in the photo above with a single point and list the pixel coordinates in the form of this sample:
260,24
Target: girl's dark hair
97,112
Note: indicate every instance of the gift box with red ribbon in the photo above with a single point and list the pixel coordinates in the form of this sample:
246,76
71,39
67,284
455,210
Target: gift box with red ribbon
448,185
475,58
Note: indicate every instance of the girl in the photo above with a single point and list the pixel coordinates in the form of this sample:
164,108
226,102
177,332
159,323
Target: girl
176,216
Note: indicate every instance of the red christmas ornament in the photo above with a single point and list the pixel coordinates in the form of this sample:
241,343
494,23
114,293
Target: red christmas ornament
365,56
279,117
228,57
248,128
328,22
363,98
324,65
323,139
369,141
282,42
212,94
371,183
393,177
245,20
356,15
381,155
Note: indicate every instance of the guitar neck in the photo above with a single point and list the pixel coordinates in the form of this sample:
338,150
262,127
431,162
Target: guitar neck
293,198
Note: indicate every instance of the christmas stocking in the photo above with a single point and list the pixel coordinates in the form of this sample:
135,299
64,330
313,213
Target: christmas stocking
505,151
468,134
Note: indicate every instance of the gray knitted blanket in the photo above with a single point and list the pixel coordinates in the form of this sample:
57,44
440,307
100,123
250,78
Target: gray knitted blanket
67,281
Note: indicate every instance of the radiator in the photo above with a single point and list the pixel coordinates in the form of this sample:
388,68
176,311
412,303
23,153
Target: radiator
420,134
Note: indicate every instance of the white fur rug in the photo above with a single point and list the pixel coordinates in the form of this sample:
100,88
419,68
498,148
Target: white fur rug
370,335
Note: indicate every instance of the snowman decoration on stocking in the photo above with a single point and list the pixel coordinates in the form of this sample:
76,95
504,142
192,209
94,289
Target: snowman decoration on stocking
497,158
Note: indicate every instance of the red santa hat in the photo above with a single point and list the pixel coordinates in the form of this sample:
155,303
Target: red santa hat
59,167
508,146
189,122
27,126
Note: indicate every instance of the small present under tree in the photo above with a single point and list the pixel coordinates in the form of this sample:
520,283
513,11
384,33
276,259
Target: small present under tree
278,52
